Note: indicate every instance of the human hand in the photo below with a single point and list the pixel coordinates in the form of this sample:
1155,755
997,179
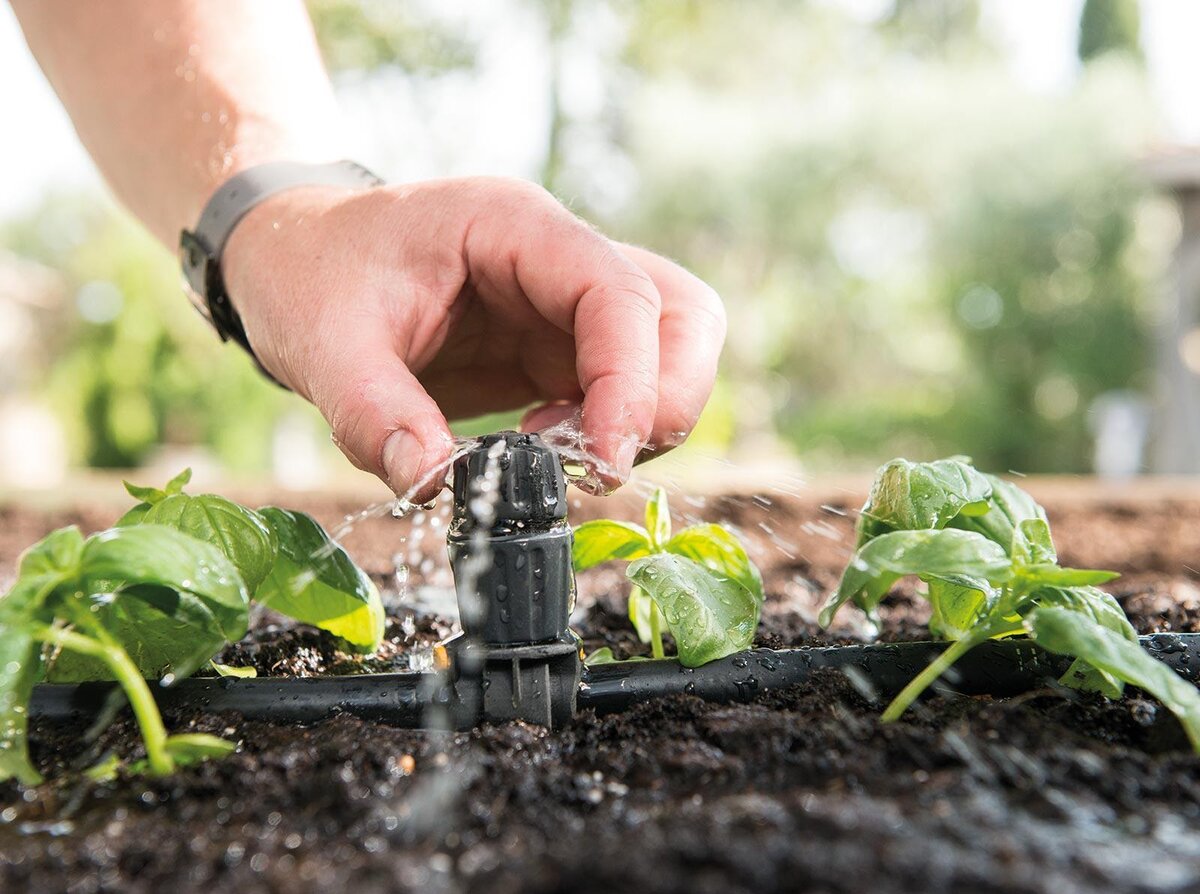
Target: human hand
397,308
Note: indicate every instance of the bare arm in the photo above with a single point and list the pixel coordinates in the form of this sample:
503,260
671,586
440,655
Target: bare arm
171,97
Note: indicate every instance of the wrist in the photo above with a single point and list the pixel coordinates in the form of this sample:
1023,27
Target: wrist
204,249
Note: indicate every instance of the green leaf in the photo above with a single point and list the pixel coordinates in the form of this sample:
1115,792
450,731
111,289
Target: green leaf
1102,608
105,770
1032,544
603,655
169,600
658,519
46,567
314,581
189,748
241,673
718,549
638,609
20,666
889,557
1066,631
163,632
1030,576
51,563
145,558
908,496
238,532
1008,506
154,494
957,603
599,541
709,615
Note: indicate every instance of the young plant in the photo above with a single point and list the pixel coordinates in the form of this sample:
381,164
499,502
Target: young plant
285,558
699,583
983,548
156,597
82,599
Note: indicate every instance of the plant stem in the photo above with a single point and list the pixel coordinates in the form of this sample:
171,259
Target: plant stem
656,643
936,668
149,720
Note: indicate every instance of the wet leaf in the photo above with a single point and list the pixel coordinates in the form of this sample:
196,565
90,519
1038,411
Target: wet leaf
162,630
148,557
314,581
718,549
169,600
709,615
889,557
238,532
20,666
600,541
1068,631
1102,608
908,496
1008,506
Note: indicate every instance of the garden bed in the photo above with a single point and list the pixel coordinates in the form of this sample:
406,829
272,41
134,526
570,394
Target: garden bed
799,790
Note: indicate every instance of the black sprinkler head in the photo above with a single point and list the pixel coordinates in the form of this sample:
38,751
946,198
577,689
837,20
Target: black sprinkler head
510,550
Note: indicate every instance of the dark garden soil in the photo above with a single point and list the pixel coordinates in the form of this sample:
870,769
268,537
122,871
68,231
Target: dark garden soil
800,790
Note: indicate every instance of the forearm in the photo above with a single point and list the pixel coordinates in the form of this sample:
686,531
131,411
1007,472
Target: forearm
172,97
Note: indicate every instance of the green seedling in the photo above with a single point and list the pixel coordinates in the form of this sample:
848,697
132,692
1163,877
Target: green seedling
699,583
155,598
983,548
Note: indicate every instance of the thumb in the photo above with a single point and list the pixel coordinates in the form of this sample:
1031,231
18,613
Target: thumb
385,422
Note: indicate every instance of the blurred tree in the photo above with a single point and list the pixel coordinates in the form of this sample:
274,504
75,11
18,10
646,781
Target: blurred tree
1109,26
934,27
365,35
131,366
918,257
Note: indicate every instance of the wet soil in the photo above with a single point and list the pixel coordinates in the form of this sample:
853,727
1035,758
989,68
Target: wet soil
801,790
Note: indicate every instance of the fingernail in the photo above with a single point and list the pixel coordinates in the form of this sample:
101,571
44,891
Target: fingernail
402,457
626,454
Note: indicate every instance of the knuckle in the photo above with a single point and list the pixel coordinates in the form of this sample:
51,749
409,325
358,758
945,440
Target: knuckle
708,310
632,287
351,414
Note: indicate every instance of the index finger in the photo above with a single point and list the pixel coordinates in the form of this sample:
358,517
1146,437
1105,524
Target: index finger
586,286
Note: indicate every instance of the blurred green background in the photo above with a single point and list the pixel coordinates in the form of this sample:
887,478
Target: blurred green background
920,255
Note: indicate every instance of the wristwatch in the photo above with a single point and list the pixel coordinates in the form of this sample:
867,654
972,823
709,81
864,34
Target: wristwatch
201,248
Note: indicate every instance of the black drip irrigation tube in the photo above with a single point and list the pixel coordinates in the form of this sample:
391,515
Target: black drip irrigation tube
517,659
999,668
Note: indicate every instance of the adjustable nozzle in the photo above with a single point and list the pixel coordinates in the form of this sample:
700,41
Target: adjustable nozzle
510,550
510,544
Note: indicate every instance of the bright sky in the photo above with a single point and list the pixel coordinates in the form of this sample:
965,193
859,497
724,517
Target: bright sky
40,150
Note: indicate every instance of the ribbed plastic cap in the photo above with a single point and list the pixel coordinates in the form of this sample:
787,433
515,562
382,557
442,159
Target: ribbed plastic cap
531,488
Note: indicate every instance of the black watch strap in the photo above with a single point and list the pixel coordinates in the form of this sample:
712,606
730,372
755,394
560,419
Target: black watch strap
201,248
